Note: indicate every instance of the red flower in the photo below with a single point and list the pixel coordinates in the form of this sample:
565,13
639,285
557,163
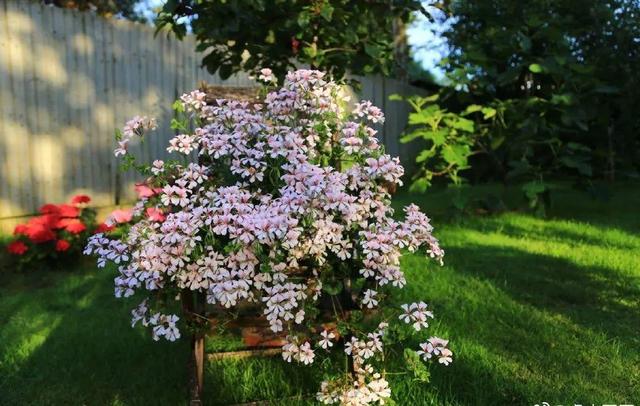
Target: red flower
121,216
62,245
68,210
295,45
75,226
46,221
21,229
63,223
49,209
17,248
155,214
39,233
103,228
144,191
80,199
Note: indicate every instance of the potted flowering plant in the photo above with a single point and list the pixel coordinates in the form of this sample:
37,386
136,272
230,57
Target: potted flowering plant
58,233
281,205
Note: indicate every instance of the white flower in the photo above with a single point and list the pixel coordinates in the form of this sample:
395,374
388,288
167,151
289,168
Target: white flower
368,299
417,314
326,339
306,354
290,351
139,313
438,347
157,167
266,75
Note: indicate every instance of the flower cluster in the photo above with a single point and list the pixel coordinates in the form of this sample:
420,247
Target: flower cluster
281,203
438,347
59,231
137,126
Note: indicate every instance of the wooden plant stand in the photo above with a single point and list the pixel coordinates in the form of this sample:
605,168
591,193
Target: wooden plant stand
258,338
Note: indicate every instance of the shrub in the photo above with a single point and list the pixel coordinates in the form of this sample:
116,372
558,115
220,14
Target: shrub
56,235
288,209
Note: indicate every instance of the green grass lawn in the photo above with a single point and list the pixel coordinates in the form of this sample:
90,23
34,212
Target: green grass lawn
536,310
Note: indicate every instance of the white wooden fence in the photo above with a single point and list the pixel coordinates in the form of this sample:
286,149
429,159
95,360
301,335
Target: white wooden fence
68,79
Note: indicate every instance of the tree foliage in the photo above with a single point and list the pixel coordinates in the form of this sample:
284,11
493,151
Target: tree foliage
106,8
564,74
337,36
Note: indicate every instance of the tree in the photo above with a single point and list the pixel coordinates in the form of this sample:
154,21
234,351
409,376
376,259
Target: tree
566,68
336,36
106,8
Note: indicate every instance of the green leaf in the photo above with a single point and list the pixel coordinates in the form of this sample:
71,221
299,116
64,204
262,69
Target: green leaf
431,98
411,136
311,51
536,68
332,286
225,71
431,115
463,124
488,112
396,97
497,141
578,164
303,19
473,108
177,106
425,154
456,154
372,50
438,137
533,189
419,185
326,11
565,99
416,366
524,42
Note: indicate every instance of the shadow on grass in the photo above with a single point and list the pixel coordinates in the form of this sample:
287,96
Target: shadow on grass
85,353
523,324
242,381
64,339
594,297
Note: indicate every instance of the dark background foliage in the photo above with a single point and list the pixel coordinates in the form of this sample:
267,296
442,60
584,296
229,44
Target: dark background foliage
337,36
566,74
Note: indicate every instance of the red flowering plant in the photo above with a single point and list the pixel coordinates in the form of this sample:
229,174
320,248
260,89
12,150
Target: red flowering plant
57,234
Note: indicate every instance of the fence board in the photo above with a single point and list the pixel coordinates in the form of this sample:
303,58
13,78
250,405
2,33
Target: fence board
68,79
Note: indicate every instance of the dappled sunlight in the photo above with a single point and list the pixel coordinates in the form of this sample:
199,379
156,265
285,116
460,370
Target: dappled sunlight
53,71
82,44
24,333
519,346
81,92
47,154
72,79
566,230
73,137
548,243
20,56
103,116
152,100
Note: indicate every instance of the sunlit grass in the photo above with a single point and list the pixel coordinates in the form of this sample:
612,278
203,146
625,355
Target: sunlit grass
536,310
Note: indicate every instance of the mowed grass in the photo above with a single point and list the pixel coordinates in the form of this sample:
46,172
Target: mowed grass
536,310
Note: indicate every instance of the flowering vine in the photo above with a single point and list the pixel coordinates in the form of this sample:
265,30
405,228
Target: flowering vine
285,205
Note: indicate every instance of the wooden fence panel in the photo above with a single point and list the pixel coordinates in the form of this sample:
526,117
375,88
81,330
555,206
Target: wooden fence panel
68,79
